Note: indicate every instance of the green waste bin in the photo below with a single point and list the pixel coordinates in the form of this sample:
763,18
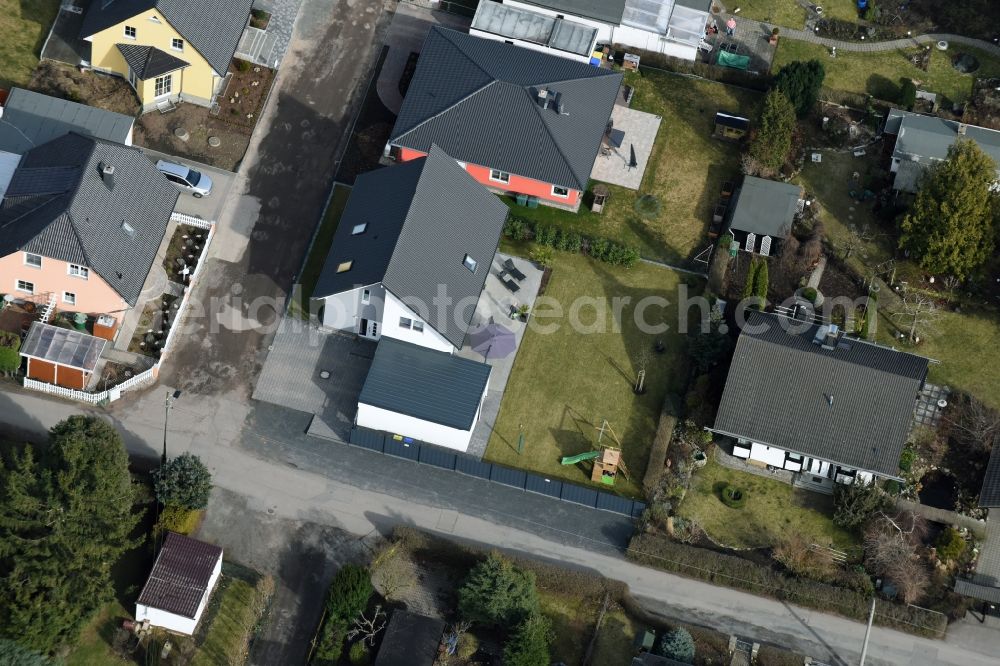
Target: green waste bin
532,202
522,199
80,321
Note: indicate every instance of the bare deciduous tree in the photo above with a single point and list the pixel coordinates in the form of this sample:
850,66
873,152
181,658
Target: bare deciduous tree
891,552
917,313
979,423
856,241
368,628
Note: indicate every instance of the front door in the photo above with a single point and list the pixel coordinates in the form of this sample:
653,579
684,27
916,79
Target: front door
368,329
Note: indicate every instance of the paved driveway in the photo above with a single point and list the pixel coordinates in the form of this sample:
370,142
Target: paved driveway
292,376
277,200
206,208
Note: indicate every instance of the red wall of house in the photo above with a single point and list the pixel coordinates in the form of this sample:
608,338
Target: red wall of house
517,183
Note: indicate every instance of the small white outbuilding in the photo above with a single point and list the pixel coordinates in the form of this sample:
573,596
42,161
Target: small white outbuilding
180,584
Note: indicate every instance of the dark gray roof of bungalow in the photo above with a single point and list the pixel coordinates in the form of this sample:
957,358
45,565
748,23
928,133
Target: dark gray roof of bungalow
480,101
417,222
765,207
58,205
30,119
212,27
989,497
851,405
410,640
425,383
180,576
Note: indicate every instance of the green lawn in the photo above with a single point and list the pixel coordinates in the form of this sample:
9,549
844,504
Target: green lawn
24,25
878,74
234,619
772,510
565,382
320,248
961,341
686,169
790,13
615,639
573,621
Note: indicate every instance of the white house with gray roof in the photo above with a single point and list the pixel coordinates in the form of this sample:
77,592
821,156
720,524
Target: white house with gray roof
807,399
411,254
671,27
920,141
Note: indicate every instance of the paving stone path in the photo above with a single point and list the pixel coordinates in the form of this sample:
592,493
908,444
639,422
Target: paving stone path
873,46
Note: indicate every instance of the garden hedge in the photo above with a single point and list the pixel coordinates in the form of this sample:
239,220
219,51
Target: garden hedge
734,497
660,552
567,240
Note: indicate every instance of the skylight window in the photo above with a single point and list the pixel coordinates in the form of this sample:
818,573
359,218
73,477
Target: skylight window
469,263
359,228
345,266
128,229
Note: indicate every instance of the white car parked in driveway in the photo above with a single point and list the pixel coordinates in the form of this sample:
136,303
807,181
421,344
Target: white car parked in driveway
185,178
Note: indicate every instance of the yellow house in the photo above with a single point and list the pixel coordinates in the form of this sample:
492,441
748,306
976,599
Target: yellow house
169,50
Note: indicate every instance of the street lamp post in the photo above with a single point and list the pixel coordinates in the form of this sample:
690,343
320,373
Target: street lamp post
166,417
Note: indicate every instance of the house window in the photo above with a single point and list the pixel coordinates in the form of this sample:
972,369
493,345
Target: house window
79,271
560,191
33,260
359,228
499,176
154,18
366,296
345,266
751,238
69,298
25,286
177,44
469,263
405,322
418,326
765,245
163,85
133,79
130,32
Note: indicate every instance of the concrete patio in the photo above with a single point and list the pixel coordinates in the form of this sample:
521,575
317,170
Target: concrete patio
495,304
635,130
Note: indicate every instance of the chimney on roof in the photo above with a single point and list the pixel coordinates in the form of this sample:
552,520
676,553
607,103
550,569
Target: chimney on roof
962,127
543,98
107,175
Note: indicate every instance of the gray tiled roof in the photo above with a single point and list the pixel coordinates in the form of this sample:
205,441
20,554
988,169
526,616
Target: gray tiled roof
410,640
781,385
213,27
925,140
30,119
147,62
57,205
425,383
765,207
478,99
607,11
422,218
989,496
180,575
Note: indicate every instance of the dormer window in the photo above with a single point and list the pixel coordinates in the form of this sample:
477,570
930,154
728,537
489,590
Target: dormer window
359,228
469,263
345,266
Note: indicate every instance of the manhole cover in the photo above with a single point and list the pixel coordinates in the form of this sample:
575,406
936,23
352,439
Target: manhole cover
214,141
942,45
182,134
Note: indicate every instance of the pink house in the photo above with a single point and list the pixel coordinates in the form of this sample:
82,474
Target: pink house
520,122
81,221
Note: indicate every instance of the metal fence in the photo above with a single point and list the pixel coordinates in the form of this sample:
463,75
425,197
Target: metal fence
428,454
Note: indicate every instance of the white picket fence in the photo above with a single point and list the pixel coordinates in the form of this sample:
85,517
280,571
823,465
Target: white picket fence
148,376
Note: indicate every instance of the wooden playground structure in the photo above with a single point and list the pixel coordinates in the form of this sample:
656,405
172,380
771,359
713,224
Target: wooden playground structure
608,460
